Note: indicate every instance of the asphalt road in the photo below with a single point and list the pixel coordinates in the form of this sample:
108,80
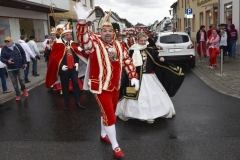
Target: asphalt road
206,126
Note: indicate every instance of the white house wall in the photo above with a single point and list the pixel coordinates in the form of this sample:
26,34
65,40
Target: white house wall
20,13
61,4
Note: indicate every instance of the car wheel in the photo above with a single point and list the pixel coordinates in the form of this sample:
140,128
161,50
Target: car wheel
192,64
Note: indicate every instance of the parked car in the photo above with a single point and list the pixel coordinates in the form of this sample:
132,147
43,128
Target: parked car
176,47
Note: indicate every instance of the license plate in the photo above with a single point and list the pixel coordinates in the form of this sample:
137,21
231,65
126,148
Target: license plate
174,50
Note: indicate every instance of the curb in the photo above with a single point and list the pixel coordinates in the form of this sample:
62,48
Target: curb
214,83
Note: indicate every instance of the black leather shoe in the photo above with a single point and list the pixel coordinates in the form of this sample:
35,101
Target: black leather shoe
66,108
27,81
79,106
36,75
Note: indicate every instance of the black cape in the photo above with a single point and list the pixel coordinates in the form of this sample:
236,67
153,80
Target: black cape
170,75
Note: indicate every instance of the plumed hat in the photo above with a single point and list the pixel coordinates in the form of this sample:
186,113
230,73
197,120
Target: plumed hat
53,30
59,29
67,28
107,23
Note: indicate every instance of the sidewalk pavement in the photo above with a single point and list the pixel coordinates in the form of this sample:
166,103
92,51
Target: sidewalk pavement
35,81
228,83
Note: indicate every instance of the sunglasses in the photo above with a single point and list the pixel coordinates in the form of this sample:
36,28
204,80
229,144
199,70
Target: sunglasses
6,41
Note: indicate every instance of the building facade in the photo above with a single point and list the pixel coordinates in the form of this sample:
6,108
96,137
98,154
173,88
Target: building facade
229,14
205,12
29,17
71,16
173,13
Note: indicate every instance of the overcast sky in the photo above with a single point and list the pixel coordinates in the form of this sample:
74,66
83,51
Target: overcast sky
142,11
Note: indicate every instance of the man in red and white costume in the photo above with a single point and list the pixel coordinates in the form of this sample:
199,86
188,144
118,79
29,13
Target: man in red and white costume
63,63
106,60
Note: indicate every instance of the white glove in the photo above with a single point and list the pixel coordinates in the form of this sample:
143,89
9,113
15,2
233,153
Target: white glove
81,13
79,48
64,68
76,65
135,82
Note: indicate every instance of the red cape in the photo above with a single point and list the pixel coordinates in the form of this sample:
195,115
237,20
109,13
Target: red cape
55,59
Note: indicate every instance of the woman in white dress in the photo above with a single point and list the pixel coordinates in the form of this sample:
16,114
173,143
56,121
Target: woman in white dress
152,100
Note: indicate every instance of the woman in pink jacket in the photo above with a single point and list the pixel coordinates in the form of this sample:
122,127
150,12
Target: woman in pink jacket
213,42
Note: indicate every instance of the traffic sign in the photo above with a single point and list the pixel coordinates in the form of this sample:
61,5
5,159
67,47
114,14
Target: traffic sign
189,11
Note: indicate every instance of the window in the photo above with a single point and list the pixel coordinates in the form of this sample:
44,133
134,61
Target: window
91,3
93,28
179,25
194,23
185,22
228,13
178,4
174,38
84,2
4,30
30,27
201,18
208,18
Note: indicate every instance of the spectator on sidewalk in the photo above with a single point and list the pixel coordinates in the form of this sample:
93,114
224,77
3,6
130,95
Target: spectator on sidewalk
234,37
209,32
213,27
44,42
14,56
28,53
224,40
33,47
201,40
188,30
3,77
213,43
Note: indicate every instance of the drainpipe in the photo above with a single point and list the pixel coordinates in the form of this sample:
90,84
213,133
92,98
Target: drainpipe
218,21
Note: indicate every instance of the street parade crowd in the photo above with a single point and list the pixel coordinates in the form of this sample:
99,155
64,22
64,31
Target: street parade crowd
125,73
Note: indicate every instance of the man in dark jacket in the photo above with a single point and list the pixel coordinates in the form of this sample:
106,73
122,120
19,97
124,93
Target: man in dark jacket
201,40
234,37
14,56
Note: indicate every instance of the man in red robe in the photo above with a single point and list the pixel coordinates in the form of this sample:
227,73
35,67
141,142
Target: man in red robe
63,62
107,57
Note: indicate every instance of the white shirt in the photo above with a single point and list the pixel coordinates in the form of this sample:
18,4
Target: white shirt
26,49
202,36
223,41
2,65
44,43
33,47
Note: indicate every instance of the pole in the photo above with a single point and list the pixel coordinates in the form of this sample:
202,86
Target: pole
221,63
200,50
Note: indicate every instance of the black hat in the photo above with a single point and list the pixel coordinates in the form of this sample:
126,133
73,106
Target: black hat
223,24
32,37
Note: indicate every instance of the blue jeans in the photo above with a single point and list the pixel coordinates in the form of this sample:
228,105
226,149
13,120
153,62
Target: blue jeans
26,71
34,66
3,79
233,46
